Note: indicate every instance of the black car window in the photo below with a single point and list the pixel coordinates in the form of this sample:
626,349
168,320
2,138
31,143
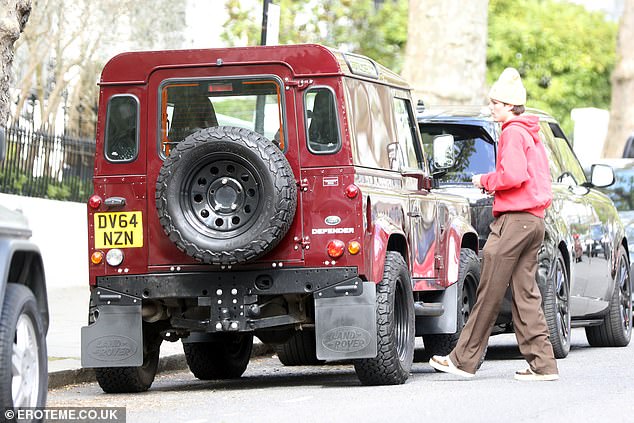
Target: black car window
321,121
554,158
474,150
622,192
405,130
122,129
569,163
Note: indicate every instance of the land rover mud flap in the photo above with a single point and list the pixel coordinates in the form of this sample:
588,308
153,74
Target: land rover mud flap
115,339
345,321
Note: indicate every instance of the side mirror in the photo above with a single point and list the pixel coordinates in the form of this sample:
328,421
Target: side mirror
443,152
2,144
601,175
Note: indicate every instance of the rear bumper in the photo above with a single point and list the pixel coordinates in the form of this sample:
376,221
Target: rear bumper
344,305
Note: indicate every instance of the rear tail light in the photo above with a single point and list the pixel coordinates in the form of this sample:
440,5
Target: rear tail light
336,248
354,247
352,191
94,201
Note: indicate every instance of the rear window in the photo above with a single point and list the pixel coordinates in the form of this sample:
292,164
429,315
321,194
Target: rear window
122,129
188,106
321,121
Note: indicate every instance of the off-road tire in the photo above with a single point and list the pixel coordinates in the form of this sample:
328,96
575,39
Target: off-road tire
395,327
299,350
468,281
225,358
133,379
616,329
556,302
20,314
226,195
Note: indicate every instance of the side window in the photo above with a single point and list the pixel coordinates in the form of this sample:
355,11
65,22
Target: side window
321,121
122,129
405,131
474,150
569,165
554,156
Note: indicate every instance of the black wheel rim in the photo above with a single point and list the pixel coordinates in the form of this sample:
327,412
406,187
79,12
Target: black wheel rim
401,323
625,295
221,196
562,302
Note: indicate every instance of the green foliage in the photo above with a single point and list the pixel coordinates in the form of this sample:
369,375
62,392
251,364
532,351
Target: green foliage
564,53
350,25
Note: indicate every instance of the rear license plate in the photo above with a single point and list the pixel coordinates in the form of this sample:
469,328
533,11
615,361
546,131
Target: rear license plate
118,230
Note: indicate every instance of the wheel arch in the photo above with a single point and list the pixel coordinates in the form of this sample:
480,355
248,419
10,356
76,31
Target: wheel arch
386,237
21,263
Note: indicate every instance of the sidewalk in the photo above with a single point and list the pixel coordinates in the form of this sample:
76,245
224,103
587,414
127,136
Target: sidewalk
68,311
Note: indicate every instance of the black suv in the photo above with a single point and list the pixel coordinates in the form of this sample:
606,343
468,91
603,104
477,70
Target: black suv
584,272
23,314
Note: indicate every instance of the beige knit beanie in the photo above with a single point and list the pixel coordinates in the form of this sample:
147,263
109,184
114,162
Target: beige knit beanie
509,88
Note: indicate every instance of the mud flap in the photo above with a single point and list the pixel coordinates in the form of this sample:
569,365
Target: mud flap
115,339
445,323
345,321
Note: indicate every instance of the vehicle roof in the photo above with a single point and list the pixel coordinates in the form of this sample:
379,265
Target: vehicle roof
304,60
471,114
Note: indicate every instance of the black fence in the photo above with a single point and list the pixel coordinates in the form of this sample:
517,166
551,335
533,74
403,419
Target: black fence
42,164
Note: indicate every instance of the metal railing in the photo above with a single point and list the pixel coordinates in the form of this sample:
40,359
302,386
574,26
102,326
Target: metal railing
42,164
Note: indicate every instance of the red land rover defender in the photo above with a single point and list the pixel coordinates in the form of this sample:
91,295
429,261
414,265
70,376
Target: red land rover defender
280,192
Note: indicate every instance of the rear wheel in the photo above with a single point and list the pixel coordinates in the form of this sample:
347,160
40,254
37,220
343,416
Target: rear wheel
133,379
395,327
299,350
224,358
468,280
616,329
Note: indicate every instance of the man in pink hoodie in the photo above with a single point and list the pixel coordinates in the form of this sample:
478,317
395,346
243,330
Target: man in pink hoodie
521,185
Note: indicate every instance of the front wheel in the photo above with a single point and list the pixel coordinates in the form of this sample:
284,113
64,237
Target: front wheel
468,280
395,327
299,350
556,305
616,328
23,360
225,358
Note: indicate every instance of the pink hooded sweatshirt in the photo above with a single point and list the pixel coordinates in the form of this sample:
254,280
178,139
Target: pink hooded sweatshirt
521,180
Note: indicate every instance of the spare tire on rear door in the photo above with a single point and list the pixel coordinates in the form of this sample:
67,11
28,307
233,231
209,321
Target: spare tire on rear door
226,195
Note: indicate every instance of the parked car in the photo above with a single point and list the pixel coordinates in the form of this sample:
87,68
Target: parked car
23,314
584,271
278,192
622,194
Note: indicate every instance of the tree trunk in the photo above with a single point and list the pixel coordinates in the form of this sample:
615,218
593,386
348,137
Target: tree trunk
13,16
445,57
622,108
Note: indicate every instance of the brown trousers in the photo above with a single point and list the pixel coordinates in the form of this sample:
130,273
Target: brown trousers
509,257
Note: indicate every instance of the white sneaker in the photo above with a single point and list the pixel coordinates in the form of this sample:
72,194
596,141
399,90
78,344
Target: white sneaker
529,374
444,364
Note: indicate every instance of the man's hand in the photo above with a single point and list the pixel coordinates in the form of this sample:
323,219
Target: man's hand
475,179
